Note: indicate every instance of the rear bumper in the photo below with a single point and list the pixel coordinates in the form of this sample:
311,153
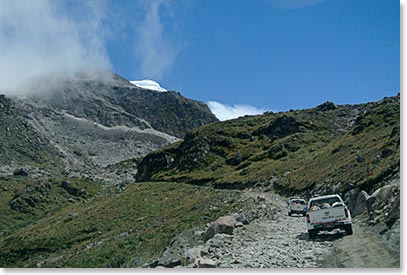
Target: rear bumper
298,211
329,226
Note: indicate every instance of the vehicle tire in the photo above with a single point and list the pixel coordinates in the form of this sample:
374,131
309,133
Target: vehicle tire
289,213
348,229
312,234
304,214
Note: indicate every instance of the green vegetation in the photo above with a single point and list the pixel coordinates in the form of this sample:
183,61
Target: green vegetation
120,230
25,201
325,148
75,222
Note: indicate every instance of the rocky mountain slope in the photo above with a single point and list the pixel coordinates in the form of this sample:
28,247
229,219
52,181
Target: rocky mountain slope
21,144
179,219
93,122
352,150
324,149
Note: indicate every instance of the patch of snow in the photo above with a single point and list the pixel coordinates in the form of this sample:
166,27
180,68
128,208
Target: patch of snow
148,84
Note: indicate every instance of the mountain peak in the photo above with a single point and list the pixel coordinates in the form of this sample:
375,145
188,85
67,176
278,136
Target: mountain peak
148,84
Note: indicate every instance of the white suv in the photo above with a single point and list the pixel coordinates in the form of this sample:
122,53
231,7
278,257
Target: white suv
327,213
297,206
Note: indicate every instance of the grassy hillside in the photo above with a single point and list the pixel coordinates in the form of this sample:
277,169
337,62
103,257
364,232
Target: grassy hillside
121,230
73,222
25,201
325,148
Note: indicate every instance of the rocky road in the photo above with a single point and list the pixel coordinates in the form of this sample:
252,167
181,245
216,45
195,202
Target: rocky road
364,249
275,240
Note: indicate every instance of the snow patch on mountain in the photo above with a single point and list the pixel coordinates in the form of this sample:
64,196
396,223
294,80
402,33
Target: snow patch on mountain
148,84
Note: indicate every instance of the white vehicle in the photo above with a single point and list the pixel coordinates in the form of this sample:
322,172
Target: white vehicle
327,213
297,206
292,198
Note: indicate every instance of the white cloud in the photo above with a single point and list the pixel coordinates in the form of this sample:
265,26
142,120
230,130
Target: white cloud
40,38
153,48
225,112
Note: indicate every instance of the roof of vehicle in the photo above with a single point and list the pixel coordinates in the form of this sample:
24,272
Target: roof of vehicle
297,200
326,197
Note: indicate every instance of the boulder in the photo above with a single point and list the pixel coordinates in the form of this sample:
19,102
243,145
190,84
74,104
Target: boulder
173,255
205,249
205,263
21,172
241,218
219,240
224,224
239,224
384,204
281,127
360,203
198,234
192,254
384,153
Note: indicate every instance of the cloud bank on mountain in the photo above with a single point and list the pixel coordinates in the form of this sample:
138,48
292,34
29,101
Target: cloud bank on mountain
40,38
226,112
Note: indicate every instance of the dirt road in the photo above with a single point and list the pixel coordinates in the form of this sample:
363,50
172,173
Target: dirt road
363,249
280,241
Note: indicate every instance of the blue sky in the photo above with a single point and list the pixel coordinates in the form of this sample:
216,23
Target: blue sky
264,54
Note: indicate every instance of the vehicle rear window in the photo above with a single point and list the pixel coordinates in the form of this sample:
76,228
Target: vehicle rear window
323,203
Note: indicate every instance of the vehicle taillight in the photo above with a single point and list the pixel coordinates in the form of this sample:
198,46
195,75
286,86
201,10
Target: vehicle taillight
308,219
346,213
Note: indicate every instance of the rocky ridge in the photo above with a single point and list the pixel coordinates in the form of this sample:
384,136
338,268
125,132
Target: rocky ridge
95,123
293,151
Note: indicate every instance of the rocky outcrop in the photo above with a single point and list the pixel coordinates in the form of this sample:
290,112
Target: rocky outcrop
326,106
283,126
21,172
379,211
383,205
5,105
153,163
